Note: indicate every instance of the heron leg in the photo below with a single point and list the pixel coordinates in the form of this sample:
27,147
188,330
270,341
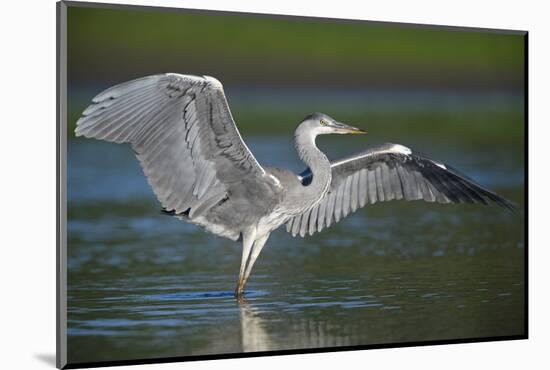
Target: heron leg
248,242
256,249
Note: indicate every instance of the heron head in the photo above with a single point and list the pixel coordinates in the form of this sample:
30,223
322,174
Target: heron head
321,124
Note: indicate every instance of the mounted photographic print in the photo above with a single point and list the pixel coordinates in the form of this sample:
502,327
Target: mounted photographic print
235,184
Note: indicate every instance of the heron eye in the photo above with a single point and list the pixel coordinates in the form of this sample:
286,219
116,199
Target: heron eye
323,122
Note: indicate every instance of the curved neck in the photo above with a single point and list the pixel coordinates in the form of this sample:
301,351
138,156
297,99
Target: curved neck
317,162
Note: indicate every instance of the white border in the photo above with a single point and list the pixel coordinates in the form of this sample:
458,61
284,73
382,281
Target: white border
27,153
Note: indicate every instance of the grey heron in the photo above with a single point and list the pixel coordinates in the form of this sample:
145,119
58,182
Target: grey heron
202,172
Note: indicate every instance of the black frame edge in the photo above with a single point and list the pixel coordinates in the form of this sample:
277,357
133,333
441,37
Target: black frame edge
526,182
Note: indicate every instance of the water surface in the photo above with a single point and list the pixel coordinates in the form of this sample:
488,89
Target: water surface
144,285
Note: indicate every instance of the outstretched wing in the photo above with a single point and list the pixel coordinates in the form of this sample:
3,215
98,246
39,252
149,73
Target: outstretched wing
385,173
183,134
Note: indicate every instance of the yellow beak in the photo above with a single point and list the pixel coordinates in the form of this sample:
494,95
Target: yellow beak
354,131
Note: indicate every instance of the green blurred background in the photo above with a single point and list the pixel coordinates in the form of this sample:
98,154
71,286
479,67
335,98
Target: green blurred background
275,70
260,50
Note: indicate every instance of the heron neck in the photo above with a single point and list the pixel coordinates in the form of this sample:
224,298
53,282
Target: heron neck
317,162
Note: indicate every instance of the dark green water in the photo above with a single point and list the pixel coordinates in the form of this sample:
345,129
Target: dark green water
143,285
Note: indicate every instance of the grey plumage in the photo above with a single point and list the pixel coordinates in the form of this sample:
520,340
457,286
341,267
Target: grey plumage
392,171
202,172
185,140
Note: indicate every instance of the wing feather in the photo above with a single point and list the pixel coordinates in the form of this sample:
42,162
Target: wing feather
321,215
313,219
183,134
346,201
355,191
390,172
363,197
372,187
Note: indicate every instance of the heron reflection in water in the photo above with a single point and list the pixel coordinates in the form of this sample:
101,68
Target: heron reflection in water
302,331
202,172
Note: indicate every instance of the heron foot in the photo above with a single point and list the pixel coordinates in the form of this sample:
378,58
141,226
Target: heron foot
239,292
240,298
